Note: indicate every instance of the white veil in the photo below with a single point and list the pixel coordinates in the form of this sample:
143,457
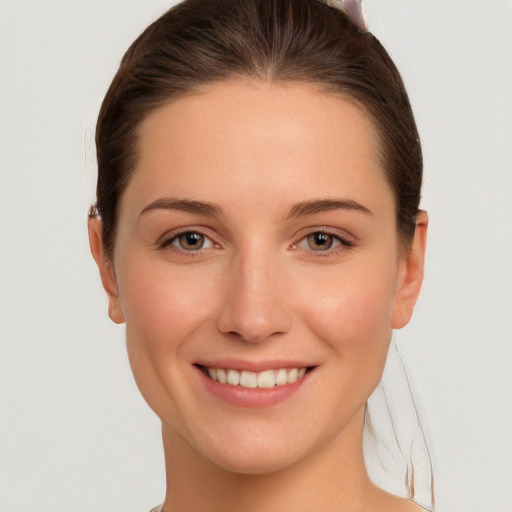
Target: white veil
395,449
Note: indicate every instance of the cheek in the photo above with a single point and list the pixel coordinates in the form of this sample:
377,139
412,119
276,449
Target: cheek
162,306
162,309
351,311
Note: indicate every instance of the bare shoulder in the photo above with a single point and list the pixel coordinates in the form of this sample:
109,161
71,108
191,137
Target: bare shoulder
414,507
385,502
405,505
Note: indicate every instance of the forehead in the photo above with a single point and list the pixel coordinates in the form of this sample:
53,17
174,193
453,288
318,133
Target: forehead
264,140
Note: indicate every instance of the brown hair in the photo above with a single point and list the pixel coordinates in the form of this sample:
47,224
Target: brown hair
201,42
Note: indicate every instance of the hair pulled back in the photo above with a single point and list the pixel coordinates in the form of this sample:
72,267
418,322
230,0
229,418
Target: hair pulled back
201,42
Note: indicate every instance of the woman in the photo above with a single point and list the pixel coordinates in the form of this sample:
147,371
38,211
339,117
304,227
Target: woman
258,230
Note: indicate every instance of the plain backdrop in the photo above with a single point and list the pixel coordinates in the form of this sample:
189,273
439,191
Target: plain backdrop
74,432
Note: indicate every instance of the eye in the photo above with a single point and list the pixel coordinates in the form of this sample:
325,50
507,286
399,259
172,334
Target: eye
190,241
322,242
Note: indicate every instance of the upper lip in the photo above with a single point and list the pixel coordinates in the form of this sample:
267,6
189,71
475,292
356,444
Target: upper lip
253,366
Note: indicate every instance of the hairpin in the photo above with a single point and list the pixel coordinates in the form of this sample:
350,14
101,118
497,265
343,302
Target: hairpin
355,10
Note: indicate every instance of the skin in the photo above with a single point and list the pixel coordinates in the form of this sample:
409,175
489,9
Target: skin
261,292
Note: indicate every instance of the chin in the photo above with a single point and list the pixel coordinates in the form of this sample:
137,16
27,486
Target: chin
252,462
253,453
256,449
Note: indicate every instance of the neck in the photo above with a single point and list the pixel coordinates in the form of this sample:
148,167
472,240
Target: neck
332,478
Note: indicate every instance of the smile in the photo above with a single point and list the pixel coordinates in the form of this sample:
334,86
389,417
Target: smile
247,379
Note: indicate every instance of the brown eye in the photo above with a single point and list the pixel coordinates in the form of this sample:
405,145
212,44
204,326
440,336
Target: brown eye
320,241
191,241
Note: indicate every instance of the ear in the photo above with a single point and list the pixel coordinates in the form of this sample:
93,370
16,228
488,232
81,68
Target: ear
106,268
410,275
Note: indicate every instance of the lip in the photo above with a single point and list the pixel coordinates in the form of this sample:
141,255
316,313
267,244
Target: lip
255,398
254,366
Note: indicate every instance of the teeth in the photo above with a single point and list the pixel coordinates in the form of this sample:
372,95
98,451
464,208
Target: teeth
293,375
264,379
233,377
248,379
221,376
281,377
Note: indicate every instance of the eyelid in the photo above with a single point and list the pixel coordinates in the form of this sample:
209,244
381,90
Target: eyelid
166,240
344,240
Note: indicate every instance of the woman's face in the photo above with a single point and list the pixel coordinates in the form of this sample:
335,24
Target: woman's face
257,243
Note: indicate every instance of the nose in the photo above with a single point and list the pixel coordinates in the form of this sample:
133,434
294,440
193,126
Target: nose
254,307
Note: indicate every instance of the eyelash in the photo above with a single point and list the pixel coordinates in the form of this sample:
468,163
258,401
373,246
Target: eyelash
169,241
337,241
340,243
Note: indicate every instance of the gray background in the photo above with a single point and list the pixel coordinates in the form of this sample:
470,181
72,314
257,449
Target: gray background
74,433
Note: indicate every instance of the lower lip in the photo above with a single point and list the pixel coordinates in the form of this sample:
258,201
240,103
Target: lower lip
255,398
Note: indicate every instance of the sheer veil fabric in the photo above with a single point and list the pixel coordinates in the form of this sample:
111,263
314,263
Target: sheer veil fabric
395,448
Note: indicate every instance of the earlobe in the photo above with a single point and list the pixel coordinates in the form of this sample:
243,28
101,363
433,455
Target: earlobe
106,268
410,275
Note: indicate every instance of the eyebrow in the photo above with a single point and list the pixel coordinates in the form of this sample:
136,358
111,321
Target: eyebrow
325,205
184,205
310,207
